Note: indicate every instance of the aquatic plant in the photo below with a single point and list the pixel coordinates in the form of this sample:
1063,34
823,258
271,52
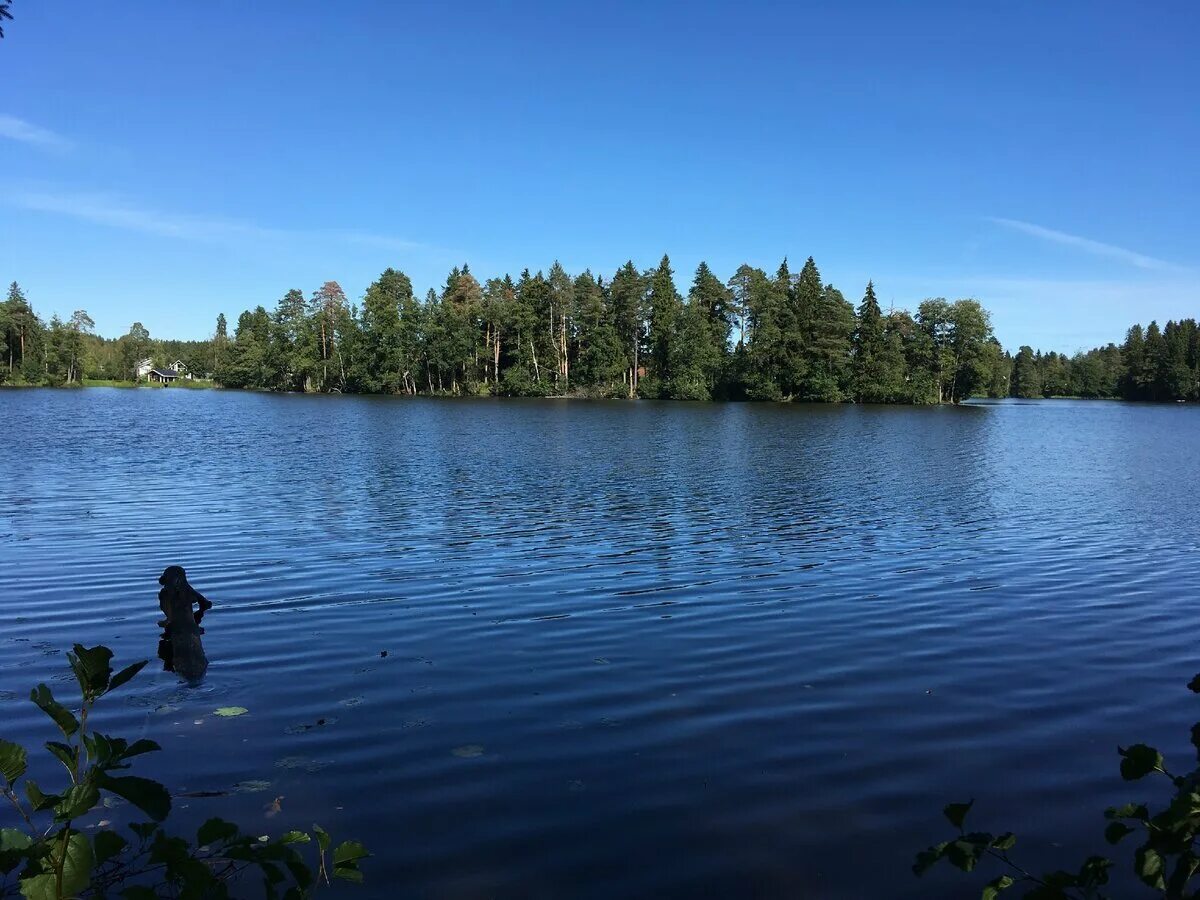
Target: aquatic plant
1166,860
54,859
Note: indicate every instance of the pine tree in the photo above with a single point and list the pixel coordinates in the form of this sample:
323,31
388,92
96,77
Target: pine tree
869,351
665,307
381,365
627,294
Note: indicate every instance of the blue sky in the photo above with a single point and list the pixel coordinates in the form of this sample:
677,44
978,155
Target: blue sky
164,162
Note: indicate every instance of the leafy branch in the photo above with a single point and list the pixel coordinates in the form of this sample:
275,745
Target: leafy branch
55,861
1166,861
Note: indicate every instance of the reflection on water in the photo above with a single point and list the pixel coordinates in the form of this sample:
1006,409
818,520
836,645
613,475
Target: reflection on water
552,649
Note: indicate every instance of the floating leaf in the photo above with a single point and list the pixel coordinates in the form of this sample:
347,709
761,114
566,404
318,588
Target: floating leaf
468,751
230,712
251,786
306,763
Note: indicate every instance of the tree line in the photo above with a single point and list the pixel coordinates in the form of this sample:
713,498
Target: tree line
635,334
757,336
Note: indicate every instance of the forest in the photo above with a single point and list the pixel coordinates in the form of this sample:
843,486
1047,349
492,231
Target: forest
758,336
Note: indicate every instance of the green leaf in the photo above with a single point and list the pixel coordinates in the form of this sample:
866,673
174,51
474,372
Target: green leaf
963,854
1094,871
13,839
40,887
349,852
108,845
137,748
76,863
13,761
229,712
37,799
144,830
1185,868
62,716
295,837
323,839
1149,867
1139,761
1006,841
148,796
1136,811
13,843
1194,685
77,801
957,812
992,889
125,674
928,857
64,753
301,874
1117,830
92,667
345,861
216,831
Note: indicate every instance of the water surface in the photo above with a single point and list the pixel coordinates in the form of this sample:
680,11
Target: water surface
635,650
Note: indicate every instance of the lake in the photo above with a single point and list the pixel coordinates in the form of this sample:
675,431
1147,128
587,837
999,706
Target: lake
632,649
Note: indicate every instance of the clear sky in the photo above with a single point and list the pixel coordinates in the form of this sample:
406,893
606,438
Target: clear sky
166,161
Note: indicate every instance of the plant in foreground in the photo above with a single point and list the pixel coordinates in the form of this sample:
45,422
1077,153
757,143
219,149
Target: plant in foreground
1166,860
53,859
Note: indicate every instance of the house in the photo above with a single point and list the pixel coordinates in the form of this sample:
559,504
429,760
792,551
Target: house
181,367
142,369
162,376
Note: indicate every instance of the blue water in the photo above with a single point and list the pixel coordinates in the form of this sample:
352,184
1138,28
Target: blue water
638,650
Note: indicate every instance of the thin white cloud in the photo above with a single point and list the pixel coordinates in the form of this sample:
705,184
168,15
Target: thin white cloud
1096,248
116,211
15,129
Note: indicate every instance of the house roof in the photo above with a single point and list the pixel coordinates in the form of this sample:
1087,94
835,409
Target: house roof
165,373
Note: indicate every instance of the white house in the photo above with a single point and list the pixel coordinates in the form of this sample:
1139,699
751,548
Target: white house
181,367
143,368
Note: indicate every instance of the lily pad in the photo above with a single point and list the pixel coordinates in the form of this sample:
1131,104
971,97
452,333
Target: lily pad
252,786
229,712
308,764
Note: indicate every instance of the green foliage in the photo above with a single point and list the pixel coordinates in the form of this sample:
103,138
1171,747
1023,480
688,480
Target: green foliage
759,337
54,860
1165,861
